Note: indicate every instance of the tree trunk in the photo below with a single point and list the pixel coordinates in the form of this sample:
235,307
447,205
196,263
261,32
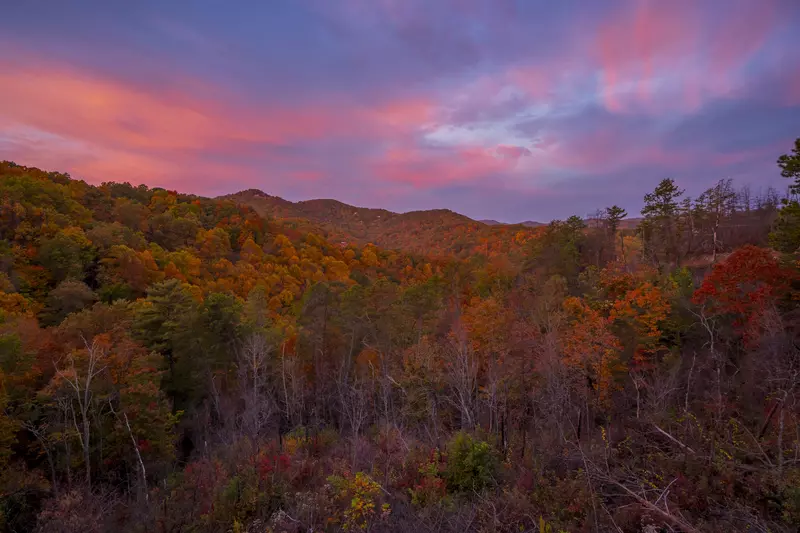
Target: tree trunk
781,417
86,449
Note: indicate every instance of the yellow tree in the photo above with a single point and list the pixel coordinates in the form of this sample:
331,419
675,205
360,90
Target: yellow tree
487,323
640,316
642,310
590,349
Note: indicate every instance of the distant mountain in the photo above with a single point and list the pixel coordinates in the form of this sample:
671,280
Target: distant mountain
628,223
431,232
527,223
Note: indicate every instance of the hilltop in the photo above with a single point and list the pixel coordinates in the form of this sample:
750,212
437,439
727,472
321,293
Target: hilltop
526,223
627,223
430,232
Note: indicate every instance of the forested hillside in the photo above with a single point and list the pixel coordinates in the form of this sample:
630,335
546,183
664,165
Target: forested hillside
436,232
175,363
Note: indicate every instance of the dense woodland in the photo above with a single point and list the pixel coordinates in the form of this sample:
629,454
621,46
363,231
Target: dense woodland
434,233
176,363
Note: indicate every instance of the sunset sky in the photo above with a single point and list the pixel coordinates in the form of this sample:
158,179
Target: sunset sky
512,110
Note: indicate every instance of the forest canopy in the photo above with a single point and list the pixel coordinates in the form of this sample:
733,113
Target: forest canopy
170,362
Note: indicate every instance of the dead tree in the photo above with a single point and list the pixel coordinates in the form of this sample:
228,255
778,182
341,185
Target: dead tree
80,381
253,377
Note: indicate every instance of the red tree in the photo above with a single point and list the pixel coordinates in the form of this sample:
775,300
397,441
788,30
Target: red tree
750,281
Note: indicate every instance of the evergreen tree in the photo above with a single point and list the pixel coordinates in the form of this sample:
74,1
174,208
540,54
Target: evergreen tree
659,230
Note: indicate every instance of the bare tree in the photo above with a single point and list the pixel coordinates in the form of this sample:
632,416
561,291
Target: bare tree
65,409
779,361
253,377
43,437
80,381
711,329
142,469
292,384
492,393
354,392
354,400
463,376
744,198
719,204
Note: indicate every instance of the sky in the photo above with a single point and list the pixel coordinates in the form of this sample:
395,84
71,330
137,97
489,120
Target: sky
504,109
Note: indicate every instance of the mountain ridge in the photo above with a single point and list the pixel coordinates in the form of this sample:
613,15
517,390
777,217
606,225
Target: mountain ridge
282,202
290,209
526,223
433,231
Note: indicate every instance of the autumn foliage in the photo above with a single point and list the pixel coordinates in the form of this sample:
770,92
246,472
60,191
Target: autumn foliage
749,283
176,363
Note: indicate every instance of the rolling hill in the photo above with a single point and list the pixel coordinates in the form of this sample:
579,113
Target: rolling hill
526,223
628,223
432,232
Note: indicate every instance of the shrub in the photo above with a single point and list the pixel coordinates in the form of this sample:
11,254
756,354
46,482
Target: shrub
360,495
429,488
791,498
471,463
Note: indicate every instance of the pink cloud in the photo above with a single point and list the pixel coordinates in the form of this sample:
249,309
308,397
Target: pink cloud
80,104
512,152
411,113
648,57
744,31
100,128
654,58
635,49
425,168
661,57
83,105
